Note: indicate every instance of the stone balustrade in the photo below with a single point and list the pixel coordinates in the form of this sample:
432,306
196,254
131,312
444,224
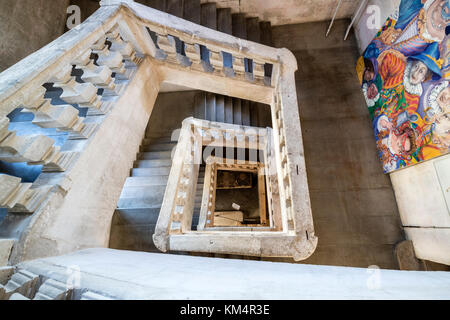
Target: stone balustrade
94,65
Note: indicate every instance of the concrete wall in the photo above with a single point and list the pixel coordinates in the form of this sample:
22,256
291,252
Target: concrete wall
28,25
281,12
423,196
353,205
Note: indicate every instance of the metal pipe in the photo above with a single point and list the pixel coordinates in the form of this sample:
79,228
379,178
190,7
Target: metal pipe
334,16
362,4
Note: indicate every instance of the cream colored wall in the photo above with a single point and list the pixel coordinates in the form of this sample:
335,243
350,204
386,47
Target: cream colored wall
423,197
280,12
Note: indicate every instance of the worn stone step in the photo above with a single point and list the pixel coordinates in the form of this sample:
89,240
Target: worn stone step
136,216
153,163
200,105
266,33
253,30
149,192
154,155
224,20
220,108
89,295
175,7
210,106
146,181
245,111
208,17
192,10
150,172
158,147
237,111
239,25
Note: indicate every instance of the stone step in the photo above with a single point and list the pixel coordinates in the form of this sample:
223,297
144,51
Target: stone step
154,155
148,193
245,110
239,25
253,30
174,7
146,181
150,172
155,163
208,15
165,139
18,296
224,20
192,11
136,216
158,147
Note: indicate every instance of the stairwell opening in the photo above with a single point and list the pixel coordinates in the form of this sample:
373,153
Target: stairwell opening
140,202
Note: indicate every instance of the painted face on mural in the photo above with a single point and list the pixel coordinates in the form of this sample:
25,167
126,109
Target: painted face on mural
400,144
419,72
436,19
443,99
441,127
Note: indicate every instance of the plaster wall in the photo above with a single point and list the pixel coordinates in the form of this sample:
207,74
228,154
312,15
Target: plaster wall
28,25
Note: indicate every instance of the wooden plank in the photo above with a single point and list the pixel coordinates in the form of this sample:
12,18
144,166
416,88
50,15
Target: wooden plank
228,218
224,21
228,110
237,111
220,108
192,9
253,31
175,7
239,26
208,16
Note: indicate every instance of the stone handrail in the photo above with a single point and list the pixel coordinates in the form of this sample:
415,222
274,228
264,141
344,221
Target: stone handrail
109,48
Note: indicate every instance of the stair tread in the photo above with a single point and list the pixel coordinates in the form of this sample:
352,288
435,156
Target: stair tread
150,172
239,25
174,7
253,30
266,33
192,10
209,15
224,20
154,163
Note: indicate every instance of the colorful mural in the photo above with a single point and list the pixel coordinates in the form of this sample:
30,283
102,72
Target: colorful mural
404,74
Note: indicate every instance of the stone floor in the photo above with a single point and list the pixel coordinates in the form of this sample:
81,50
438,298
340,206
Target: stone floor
353,204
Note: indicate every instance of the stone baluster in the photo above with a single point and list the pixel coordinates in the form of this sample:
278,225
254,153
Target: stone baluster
258,70
61,117
192,51
20,197
111,59
35,149
124,48
216,60
167,44
239,66
99,76
83,94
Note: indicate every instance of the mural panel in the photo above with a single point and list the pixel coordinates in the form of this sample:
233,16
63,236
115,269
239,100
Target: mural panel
404,74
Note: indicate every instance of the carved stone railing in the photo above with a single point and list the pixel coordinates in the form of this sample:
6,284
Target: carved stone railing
111,67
